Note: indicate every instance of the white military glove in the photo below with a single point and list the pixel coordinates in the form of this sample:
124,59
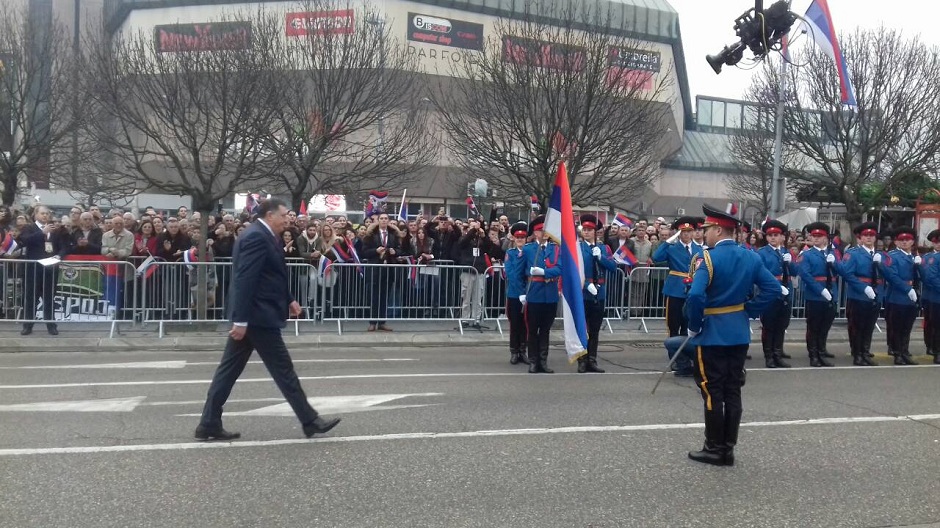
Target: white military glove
830,258
784,291
787,257
826,295
522,299
592,289
693,333
870,293
912,295
918,260
876,258
596,252
536,271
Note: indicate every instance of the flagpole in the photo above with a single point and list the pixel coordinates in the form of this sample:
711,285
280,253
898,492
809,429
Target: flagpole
402,206
778,185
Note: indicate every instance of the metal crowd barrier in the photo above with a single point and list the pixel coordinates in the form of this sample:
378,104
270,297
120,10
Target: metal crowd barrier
77,289
393,292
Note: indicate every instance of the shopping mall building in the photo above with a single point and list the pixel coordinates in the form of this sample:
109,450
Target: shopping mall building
696,158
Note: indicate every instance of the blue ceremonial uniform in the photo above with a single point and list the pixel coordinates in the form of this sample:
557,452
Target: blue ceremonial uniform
814,272
931,290
928,295
541,300
900,274
678,257
859,271
724,295
542,289
817,275
605,265
776,319
514,266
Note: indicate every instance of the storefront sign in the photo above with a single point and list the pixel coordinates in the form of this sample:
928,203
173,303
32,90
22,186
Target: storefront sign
543,54
340,22
202,37
445,31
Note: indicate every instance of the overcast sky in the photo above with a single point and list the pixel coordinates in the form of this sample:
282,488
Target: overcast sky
707,26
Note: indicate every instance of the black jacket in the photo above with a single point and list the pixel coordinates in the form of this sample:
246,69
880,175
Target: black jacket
259,289
483,245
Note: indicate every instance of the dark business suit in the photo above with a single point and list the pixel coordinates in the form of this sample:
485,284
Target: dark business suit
380,280
259,296
40,280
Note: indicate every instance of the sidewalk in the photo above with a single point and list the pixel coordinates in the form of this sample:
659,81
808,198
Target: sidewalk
181,337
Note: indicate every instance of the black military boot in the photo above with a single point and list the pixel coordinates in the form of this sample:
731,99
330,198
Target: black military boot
936,359
513,356
534,366
582,365
778,359
732,425
523,358
543,362
821,354
769,357
592,363
713,452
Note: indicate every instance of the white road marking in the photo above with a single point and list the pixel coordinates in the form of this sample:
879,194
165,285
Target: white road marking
183,363
107,405
435,436
335,404
134,365
430,375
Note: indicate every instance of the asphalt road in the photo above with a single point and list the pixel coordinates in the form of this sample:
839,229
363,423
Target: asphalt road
457,437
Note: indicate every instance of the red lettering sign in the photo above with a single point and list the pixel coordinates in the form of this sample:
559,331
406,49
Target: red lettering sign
320,23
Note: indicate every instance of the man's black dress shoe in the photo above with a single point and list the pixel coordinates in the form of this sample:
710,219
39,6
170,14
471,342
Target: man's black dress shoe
204,433
53,330
26,330
320,426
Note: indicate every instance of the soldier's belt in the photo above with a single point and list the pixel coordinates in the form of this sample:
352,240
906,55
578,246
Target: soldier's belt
679,273
542,279
718,310
778,277
867,280
821,279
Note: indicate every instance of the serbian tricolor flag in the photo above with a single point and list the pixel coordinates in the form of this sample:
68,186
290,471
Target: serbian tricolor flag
376,202
146,268
622,220
303,208
732,209
623,255
559,226
412,268
252,201
817,23
325,267
535,203
472,208
7,245
341,254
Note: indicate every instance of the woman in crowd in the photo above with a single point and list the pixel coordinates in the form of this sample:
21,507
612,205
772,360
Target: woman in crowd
145,241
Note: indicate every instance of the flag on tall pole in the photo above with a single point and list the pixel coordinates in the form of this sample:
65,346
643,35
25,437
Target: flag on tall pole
535,203
303,208
403,209
559,226
817,21
472,210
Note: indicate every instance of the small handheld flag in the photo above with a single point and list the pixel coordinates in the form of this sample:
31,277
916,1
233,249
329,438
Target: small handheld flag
403,208
622,220
8,244
303,208
623,255
472,207
376,202
535,203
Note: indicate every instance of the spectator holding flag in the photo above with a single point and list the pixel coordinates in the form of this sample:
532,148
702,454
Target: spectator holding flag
598,262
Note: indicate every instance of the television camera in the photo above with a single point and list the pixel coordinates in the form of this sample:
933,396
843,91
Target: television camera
759,30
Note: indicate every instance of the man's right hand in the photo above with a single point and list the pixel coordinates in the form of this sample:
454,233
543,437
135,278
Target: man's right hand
826,295
237,332
82,242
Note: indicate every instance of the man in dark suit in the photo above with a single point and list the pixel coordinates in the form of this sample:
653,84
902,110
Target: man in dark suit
260,302
41,240
380,246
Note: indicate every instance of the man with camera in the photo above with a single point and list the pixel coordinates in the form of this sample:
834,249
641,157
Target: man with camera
475,249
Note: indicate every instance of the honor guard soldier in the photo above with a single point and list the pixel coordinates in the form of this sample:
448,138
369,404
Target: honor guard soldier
864,292
598,262
774,322
931,297
542,272
678,255
818,269
514,267
902,277
720,304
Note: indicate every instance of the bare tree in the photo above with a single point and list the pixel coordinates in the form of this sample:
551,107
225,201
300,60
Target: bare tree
894,130
36,98
538,92
183,109
349,105
752,146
